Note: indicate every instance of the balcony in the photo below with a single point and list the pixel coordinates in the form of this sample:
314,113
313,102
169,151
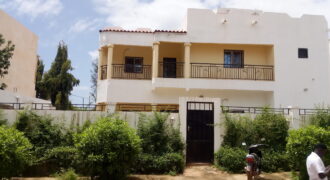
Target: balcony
171,69
232,71
122,71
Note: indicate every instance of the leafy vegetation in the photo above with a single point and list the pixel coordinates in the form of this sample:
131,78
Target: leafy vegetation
93,80
300,145
6,54
58,80
108,148
67,175
231,159
41,132
321,119
162,146
266,128
15,152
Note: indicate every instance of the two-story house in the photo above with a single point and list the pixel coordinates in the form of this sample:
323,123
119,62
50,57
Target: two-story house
231,57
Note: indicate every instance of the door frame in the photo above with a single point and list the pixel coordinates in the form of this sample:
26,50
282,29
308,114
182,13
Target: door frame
218,130
201,107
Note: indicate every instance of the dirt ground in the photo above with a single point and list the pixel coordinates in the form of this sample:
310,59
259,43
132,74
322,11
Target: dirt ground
197,172
207,172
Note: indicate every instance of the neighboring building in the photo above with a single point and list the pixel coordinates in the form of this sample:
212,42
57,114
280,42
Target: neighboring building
231,57
21,75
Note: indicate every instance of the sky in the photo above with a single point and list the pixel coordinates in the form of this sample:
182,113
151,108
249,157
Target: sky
77,23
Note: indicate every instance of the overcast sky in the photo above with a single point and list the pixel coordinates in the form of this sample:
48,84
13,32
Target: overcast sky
77,22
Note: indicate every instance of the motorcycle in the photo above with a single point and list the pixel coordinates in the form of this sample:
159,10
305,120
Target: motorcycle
253,161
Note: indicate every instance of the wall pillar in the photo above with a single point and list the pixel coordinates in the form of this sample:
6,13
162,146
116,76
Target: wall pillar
155,54
100,60
187,60
109,60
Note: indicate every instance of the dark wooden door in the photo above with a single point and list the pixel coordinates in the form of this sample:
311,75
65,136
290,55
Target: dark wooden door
169,67
200,132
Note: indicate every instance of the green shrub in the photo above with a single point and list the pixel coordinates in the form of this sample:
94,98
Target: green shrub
231,159
15,152
40,131
108,148
273,128
67,175
321,119
3,120
164,164
267,126
300,145
273,161
239,129
162,145
61,157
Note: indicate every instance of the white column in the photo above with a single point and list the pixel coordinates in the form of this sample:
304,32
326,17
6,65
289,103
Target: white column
155,53
109,61
100,60
187,60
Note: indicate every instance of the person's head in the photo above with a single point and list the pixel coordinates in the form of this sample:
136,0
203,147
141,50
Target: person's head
320,149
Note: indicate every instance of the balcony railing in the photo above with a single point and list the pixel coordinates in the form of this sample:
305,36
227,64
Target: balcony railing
122,71
170,69
232,71
104,72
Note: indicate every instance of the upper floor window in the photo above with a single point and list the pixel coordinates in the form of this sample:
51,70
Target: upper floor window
233,59
133,64
302,53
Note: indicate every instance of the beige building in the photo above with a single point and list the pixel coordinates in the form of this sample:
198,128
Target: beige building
231,57
21,75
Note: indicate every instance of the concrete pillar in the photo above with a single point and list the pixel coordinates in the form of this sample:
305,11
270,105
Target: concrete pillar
187,60
155,54
109,61
100,60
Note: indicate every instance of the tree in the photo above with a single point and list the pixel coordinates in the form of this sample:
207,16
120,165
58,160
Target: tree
41,91
94,76
6,53
108,148
58,80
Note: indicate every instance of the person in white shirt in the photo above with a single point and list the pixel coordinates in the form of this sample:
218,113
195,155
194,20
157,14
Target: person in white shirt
315,167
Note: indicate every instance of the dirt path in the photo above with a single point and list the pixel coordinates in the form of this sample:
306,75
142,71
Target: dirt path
208,172
196,172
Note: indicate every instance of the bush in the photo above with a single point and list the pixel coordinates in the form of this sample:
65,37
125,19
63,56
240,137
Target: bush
273,161
231,159
239,129
108,148
67,175
3,120
61,157
165,164
321,119
40,131
15,152
273,128
300,145
162,146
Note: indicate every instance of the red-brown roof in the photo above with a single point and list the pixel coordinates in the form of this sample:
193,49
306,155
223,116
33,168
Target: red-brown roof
142,31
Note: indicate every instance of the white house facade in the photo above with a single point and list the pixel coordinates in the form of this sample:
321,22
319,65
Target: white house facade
231,57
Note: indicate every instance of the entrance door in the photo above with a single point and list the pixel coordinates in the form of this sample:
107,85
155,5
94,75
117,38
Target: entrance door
200,131
169,67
